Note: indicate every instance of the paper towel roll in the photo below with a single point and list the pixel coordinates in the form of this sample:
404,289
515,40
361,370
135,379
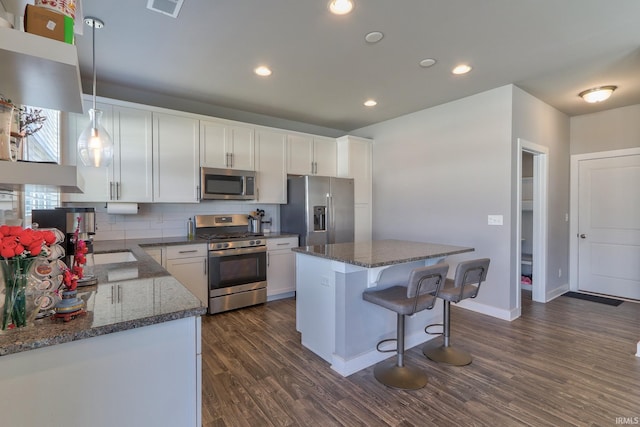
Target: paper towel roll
122,208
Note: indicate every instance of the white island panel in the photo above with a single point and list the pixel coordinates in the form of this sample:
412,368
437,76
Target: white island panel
138,377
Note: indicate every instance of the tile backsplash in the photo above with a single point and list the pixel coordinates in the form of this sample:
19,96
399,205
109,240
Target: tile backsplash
168,219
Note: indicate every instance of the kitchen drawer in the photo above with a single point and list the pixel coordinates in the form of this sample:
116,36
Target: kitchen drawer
186,251
282,243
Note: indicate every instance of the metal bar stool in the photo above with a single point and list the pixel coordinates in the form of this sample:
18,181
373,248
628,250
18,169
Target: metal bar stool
418,294
466,284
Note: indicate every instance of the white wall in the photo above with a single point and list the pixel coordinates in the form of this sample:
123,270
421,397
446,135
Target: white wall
614,129
541,124
439,172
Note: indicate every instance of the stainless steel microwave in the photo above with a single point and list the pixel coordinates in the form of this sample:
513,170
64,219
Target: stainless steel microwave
227,184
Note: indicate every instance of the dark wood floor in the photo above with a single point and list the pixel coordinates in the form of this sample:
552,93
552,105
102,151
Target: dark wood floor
565,363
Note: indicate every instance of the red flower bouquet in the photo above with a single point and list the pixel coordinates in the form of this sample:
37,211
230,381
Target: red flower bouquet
19,247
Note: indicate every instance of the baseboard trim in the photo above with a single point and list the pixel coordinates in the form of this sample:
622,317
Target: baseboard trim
346,367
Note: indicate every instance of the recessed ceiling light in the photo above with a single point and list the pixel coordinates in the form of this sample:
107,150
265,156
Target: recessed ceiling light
263,71
374,37
461,69
426,63
370,103
340,7
597,94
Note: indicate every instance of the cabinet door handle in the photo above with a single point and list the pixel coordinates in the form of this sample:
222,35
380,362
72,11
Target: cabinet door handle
231,162
110,190
283,244
268,259
117,191
198,198
119,293
205,266
188,252
113,294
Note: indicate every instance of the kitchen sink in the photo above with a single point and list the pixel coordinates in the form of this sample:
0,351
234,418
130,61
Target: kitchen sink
113,257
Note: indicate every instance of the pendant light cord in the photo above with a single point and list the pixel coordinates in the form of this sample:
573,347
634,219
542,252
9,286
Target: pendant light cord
94,72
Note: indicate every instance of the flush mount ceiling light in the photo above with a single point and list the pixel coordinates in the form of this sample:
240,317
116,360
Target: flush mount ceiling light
370,103
461,69
597,94
263,71
95,146
340,7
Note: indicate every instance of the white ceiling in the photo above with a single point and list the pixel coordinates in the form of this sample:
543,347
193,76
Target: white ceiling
323,70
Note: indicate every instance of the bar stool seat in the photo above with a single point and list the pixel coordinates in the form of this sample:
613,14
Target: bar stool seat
466,284
418,294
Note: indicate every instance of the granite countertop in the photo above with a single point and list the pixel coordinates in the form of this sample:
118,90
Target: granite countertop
128,295
379,253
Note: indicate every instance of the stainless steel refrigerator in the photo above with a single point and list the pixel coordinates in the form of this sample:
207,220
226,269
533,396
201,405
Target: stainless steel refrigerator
319,209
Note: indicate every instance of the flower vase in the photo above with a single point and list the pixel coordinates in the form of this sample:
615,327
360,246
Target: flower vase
19,309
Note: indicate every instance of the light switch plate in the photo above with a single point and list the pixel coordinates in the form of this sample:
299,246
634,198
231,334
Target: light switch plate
495,219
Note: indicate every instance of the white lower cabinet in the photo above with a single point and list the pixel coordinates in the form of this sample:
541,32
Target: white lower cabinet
281,266
156,254
188,264
117,300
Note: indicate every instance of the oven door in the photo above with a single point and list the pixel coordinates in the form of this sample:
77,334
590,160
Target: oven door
236,267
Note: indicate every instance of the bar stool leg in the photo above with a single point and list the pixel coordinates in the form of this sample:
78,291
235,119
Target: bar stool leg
393,373
445,353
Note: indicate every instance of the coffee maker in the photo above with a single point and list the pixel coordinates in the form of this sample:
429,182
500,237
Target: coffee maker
65,219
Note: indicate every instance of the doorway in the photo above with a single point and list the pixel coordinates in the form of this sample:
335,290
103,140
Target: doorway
531,218
605,223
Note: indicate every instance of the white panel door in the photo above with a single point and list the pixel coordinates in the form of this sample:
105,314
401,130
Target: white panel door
609,226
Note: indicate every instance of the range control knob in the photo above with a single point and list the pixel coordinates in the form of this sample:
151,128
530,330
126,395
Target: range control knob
218,245
251,243
258,242
226,245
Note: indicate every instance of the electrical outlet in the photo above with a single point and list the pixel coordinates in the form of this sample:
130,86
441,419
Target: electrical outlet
559,272
495,219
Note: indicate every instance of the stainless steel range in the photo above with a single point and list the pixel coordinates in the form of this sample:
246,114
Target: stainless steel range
237,261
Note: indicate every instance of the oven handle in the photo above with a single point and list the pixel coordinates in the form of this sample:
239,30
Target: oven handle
238,251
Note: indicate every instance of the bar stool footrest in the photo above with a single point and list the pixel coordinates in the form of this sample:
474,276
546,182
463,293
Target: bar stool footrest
433,325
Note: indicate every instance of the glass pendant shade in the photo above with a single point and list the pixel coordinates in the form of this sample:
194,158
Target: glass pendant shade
95,146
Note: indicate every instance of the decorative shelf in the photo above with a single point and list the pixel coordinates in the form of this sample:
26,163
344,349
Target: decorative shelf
40,72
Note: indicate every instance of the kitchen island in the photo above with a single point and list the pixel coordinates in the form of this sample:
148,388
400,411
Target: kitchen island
133,359
333,319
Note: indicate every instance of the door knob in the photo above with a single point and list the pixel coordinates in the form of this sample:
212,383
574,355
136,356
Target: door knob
583,236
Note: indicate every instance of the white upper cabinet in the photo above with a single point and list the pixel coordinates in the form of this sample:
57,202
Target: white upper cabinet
176,160
354,161
128,178
226,146
132,163
311,155
271,154
96,180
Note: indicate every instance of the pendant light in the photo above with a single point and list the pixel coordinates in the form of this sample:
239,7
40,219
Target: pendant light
95,146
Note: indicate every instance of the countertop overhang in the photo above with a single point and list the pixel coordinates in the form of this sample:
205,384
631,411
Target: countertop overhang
380,253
